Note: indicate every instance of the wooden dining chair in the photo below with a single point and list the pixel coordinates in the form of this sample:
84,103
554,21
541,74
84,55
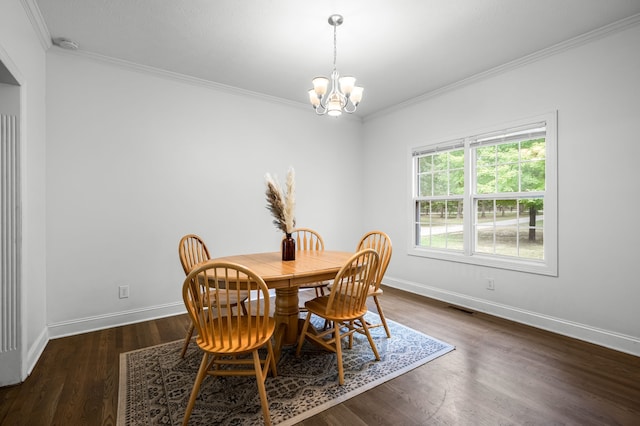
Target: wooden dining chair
309,240
381,243
192,250
230,342
344,307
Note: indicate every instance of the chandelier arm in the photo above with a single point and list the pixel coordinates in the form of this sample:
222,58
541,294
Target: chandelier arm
321,111
321,108
346,105
322,105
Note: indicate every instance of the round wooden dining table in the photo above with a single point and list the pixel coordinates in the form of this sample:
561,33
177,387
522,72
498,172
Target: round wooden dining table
286,276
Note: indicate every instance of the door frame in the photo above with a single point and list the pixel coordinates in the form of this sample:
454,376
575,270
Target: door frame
15,365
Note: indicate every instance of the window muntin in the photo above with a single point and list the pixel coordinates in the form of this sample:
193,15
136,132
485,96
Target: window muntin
441,173
505,213
510,227
439,201
513,165
439,224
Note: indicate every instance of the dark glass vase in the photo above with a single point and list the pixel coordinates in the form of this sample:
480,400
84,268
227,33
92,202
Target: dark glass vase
288,248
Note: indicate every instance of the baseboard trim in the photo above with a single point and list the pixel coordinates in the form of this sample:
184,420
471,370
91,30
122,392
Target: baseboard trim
612,340
609,339
100,322
34,352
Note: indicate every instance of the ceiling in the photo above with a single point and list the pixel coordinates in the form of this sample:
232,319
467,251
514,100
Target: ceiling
398,49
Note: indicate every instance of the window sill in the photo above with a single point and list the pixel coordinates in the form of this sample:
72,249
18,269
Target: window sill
519,265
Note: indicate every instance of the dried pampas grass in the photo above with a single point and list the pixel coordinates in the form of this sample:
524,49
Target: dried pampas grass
290,201
281,205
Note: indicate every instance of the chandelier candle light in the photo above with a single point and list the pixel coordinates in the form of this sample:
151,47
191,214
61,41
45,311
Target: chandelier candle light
282,206
344,94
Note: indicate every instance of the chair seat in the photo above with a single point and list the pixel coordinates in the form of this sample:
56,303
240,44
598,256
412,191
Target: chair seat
240,342
374,292
318,306
231,299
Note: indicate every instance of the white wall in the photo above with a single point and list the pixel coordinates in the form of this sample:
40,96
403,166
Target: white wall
595,89
136,160
23,55
9,99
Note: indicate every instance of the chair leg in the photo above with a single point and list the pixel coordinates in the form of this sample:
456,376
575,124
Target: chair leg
260,377
384,321
338,343
320,291
202,372
327,324
371,342
187,340
244,307
271,360
303,333
351,327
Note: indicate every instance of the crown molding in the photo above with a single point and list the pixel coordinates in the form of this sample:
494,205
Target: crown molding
564,46
195,81
145,69
37,22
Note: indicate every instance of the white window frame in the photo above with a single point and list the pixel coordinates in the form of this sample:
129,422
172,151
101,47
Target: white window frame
547,266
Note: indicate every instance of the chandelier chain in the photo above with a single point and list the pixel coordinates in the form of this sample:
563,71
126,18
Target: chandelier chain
335,44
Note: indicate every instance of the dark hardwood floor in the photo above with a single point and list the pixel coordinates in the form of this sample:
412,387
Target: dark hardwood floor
501,373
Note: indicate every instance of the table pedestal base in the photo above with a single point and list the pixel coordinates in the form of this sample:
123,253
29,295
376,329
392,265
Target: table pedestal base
286,315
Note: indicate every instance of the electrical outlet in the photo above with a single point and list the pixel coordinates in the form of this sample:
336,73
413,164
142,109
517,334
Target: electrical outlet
491,285
123,291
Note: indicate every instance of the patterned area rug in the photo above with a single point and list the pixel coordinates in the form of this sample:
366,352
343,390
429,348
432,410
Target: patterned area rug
155,383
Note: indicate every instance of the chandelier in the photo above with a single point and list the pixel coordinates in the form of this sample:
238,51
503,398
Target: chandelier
344,94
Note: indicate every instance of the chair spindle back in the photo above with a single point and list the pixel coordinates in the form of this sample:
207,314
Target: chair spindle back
219,329
351,285
192,250
381,243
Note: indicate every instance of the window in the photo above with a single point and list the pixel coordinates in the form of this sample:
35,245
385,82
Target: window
440,198
489,199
